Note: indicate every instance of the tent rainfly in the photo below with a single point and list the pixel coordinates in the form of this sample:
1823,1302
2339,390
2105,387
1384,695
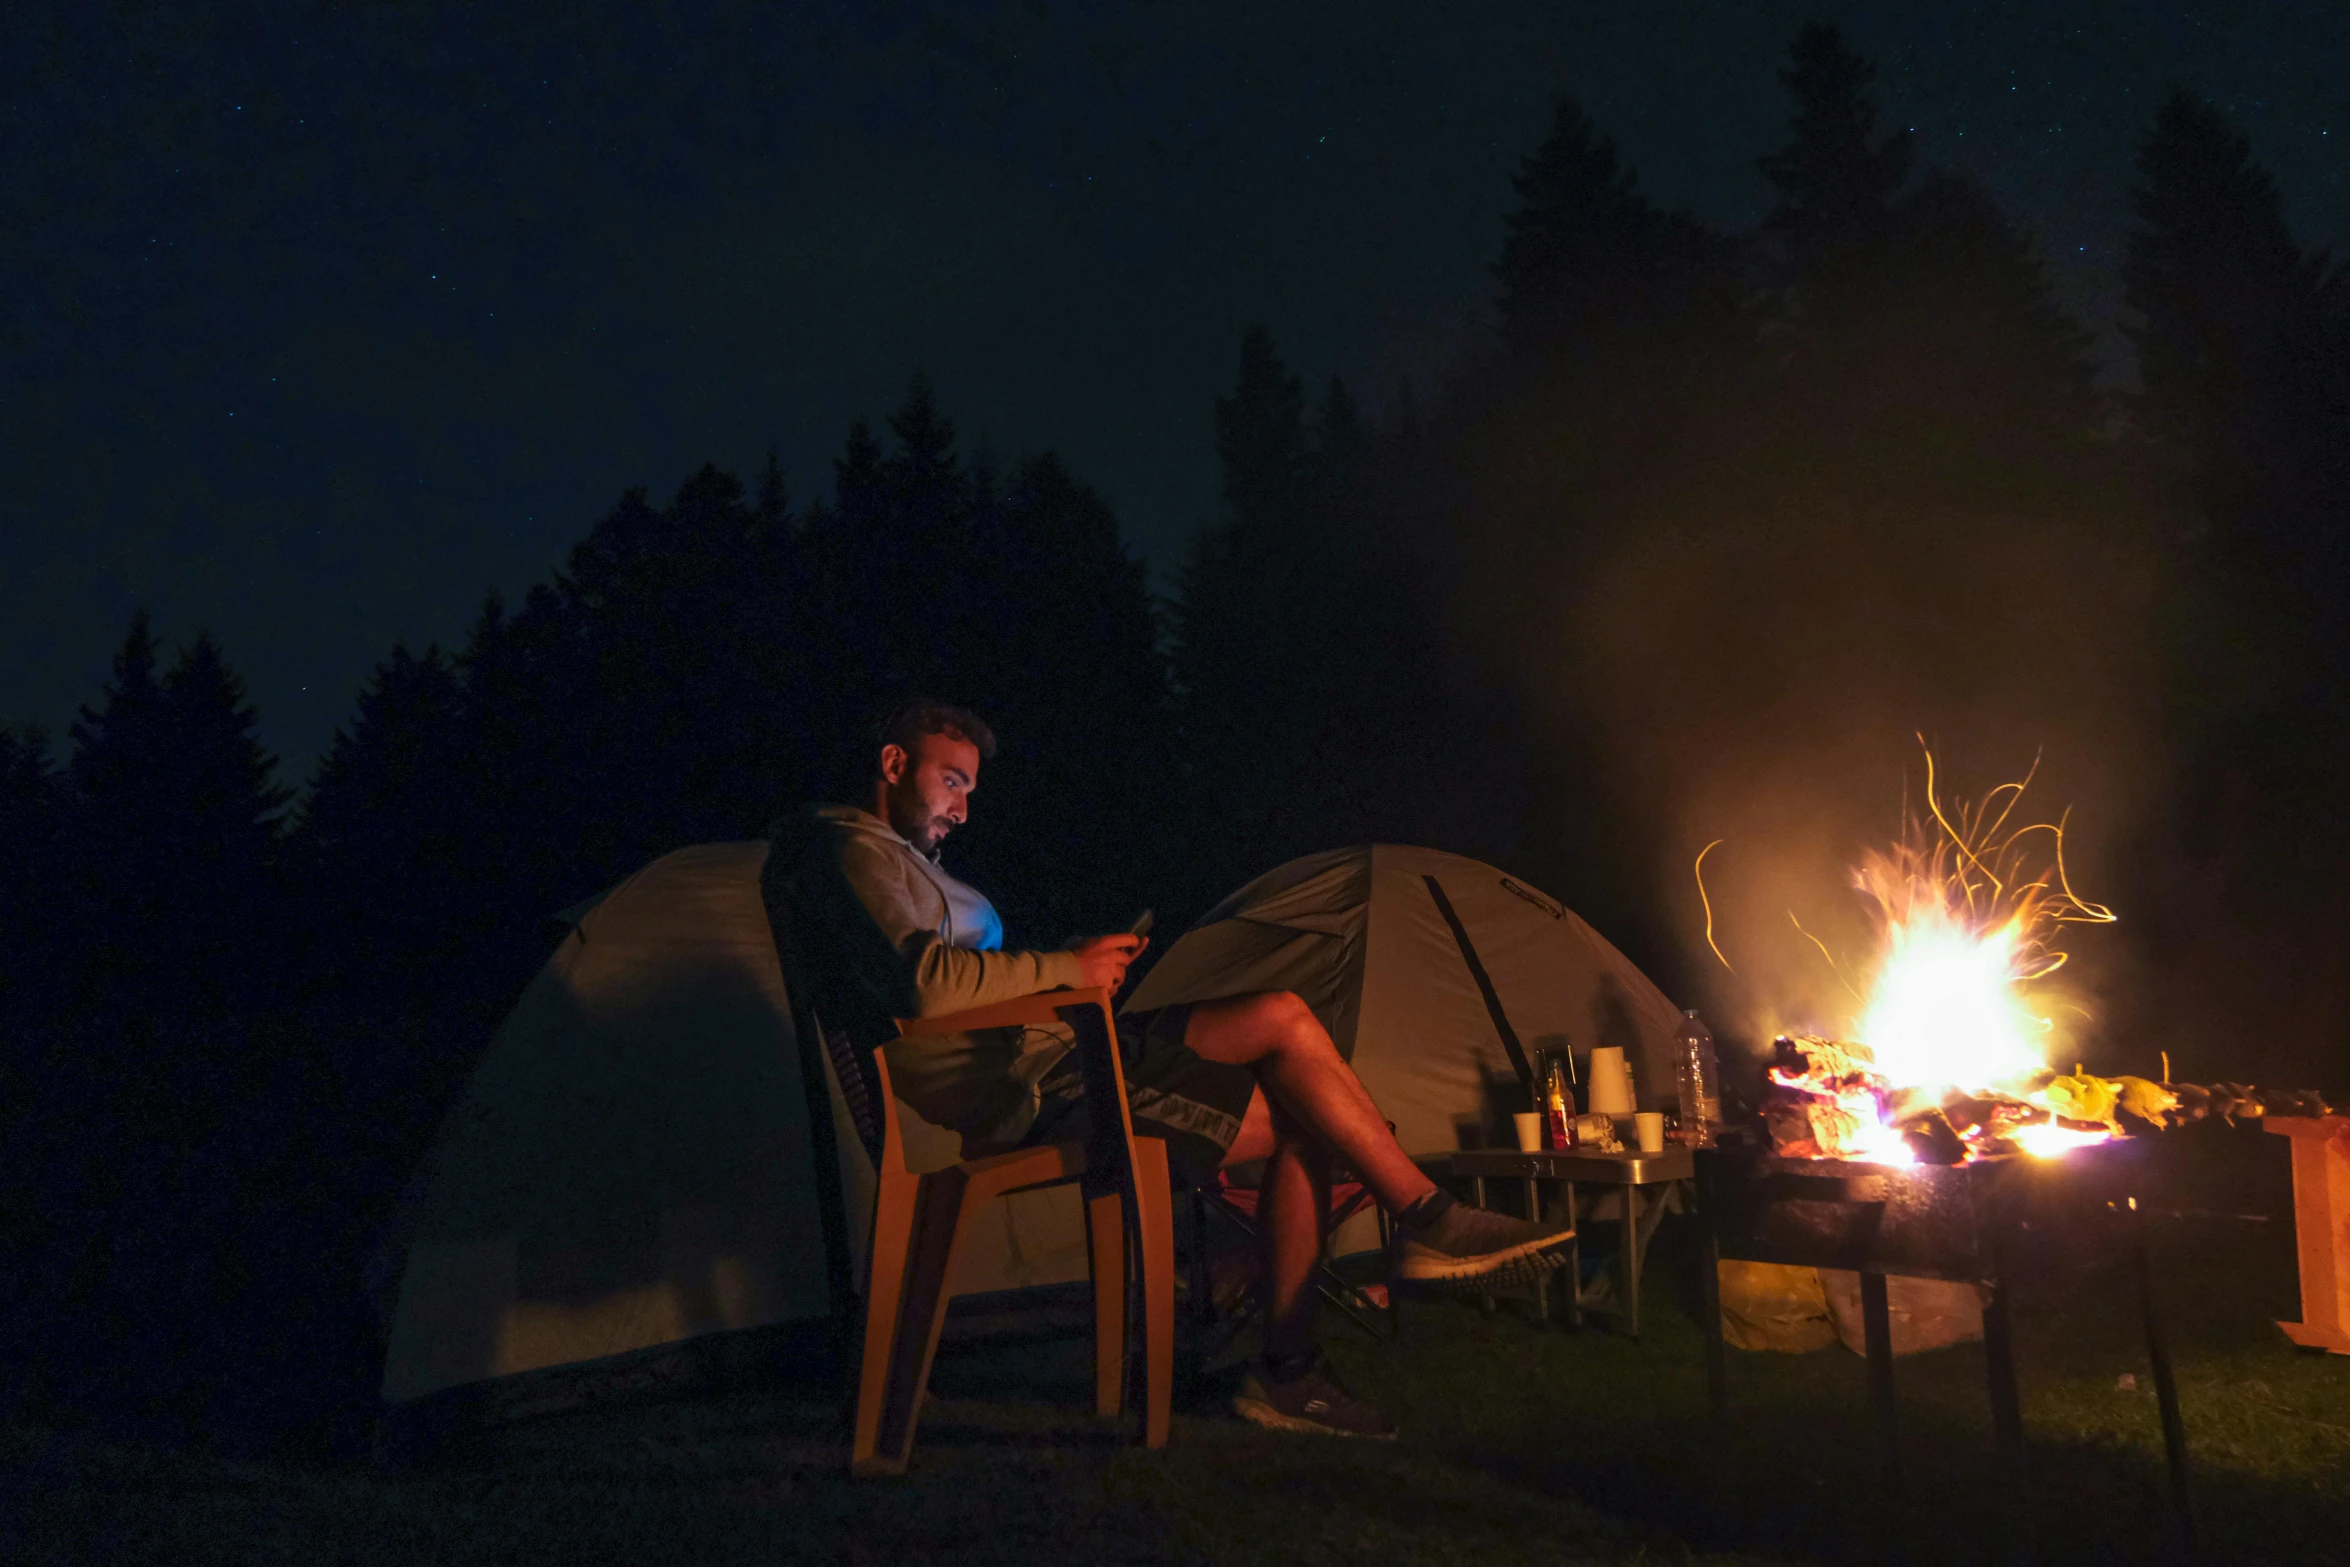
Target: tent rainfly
1416,961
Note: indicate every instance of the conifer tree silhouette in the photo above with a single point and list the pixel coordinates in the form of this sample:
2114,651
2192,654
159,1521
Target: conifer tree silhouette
1236,655
1063,655
32,808
1306,655
1837,175
2242,426
2242,350
1588,265
1910,321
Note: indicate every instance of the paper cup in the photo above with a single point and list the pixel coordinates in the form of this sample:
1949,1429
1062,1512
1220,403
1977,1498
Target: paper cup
1611,1082
1649,1125
1529,1124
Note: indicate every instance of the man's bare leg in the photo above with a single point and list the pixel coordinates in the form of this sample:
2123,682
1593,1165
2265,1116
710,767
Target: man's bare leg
1306,1100
1438,1243
1291,1201
1280,1039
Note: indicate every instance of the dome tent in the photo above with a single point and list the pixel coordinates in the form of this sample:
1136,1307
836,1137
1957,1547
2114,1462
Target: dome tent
1396,949
631,1163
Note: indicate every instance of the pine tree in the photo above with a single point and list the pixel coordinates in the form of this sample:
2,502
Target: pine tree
1070,835
1236,653
220,933
118,776
1979,345
1301,649
1261,437
1913,332
1588,267
377,840
2241,350
892,552
32,805
225,778
1837,176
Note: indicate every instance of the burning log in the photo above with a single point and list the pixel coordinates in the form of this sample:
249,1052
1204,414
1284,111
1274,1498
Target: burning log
2293,1101
1809,1060
2149,1102
1932,1139
1788,1124
1827,1100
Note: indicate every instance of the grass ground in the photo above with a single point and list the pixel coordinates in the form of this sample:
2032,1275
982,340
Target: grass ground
1522,1443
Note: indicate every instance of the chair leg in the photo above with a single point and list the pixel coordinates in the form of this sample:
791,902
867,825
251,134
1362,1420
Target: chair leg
893,1228
1154,1204
944,1207
1105,1245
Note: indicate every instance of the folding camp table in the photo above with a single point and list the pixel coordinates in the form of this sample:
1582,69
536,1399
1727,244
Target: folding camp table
1632,1174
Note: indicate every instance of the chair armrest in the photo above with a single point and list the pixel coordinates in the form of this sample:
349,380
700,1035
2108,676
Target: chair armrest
1044,1007
1109,1144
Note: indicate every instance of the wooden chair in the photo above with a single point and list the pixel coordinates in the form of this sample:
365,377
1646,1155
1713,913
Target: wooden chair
919,1221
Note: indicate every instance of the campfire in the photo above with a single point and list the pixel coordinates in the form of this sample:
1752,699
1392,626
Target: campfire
1950,1062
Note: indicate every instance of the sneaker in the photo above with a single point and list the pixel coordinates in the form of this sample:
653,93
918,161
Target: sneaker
1464,1248
1312,1401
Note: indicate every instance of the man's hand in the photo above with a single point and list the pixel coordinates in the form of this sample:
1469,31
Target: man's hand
1105,958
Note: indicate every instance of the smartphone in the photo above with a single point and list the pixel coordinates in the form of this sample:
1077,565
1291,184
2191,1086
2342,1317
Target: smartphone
1141,925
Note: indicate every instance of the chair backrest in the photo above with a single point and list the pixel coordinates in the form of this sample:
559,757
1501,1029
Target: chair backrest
1109,1153
858,1072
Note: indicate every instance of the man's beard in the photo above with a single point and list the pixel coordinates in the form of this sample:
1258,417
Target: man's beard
925,833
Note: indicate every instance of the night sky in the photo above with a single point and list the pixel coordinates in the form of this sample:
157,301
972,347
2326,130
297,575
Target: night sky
317,322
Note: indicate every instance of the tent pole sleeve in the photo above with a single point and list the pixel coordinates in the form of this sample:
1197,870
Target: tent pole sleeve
1501,1020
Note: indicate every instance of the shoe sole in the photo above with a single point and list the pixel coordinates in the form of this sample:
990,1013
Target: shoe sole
1522,1264
1259,1413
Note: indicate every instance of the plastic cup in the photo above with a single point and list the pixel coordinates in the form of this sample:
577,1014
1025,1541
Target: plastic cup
1529,1124
1649,1126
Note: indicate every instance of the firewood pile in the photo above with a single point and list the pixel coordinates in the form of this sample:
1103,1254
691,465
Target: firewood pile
1826,1099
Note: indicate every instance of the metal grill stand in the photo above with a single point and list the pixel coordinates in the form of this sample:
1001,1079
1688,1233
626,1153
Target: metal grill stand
1971,1223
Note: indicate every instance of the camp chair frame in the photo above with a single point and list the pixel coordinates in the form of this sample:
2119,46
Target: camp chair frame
1207,1201
920,1220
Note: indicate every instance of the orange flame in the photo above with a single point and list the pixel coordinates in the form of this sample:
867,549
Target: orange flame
1970,912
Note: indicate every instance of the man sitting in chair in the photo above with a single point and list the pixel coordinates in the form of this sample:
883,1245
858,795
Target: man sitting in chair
1228,1082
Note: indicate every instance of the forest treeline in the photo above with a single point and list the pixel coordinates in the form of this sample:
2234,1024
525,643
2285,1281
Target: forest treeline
233,1011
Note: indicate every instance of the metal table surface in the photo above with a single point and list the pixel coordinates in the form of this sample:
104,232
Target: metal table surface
1628,1171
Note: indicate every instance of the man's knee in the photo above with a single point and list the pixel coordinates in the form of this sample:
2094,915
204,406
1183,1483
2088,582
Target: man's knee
1281,1014
1253,1028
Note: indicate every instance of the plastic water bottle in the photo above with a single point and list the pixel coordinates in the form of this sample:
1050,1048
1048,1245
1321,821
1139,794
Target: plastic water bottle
1700,1080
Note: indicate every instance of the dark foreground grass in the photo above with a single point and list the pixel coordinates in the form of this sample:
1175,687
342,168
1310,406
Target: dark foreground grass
1523,1443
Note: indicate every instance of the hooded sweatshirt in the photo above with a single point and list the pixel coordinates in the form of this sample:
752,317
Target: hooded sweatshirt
881,931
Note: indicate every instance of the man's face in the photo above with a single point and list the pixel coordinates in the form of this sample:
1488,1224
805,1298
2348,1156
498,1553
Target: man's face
928,792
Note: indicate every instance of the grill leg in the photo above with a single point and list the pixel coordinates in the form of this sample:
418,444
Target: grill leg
1541,1276
1709,1311
1877,1329
1477,1194
2166,1388
1631,1257
2007,1418
1574,1263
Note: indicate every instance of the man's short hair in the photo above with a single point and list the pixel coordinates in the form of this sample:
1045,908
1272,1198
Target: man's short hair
905,726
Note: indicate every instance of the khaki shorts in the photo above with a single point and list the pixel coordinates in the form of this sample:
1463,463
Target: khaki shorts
1194,1103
